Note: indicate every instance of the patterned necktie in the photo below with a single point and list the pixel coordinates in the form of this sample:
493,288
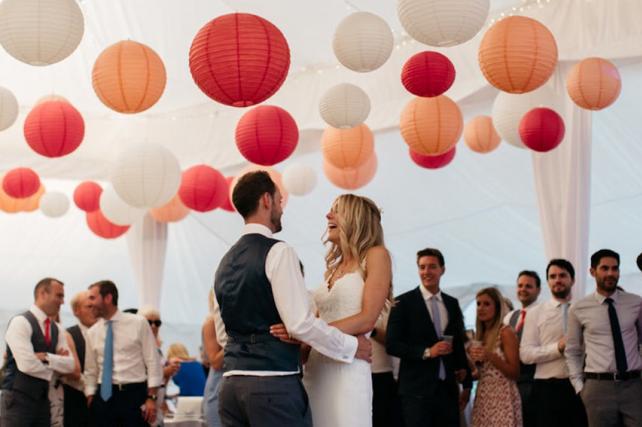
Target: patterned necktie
436,320
565,307
108,363
47,332
618,343
520,322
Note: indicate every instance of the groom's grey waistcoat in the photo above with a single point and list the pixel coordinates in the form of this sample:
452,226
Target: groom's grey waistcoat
244,295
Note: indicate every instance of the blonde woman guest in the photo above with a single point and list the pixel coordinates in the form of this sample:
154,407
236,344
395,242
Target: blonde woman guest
214,352
190,378
496,354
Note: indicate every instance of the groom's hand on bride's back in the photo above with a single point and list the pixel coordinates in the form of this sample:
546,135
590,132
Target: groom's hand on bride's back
364,348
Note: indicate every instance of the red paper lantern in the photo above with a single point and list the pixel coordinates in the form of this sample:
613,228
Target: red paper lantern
428,74
104,228
87,196
21,183
541,129
239,59
203,188
54,128
266,135
227,205
433,162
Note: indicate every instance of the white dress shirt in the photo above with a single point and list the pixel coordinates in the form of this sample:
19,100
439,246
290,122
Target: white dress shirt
589,334
443,313
18,338
135,357
506,320
540,337
293,303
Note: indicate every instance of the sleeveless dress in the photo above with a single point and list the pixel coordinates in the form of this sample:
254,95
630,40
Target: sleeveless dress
497,400
340,394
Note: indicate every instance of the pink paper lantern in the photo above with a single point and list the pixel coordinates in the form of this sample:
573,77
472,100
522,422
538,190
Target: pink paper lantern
428,74
87,196
21,183
203,188
104,228
541,129
54,128
433,162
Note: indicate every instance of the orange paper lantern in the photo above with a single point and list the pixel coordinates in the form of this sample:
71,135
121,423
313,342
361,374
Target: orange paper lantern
13,205
594,83
518,54
431,126
351,178
347,148
173,211
129,77
480,135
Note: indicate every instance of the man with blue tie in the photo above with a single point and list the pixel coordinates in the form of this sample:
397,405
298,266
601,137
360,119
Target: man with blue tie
122,366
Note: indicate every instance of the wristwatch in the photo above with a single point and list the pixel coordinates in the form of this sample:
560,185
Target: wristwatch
426,354
152,397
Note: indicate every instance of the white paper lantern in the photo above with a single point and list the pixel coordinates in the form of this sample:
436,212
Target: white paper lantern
54,204
116,210
443,22
508,110
40,32
8,108
362,42
146,175
299,179
344,106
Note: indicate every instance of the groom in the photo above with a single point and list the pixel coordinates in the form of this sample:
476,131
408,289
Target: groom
259,283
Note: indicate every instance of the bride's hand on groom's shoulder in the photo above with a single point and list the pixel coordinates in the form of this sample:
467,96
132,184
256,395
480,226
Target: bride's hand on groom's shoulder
280,331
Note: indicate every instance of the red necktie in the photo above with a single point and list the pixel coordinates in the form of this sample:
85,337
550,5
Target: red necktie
47,336
520,323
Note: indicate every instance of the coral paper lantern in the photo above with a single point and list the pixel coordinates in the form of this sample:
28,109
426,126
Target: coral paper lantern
40,32
203,188
274,174
128,77
87,196
442,22
480,135
54,128
351,178
431,126
542,129
227,204
428,74
594,83
362,42
12,205
173,211
518,54
8,108
433,162
21,183
347,148
266,135
54,204
239,59
344,106
102,227
299,179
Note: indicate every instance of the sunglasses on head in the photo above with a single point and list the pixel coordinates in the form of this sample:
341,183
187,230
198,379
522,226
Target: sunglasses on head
158,323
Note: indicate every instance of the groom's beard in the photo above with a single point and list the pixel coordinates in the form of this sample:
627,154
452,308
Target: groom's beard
275,219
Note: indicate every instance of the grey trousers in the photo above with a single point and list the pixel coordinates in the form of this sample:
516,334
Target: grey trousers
264,402
613,403
21,410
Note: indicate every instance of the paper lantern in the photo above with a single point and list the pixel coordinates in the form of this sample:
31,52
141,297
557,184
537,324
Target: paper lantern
347,148
227,204
128,77
518,54
508,110
433,162
29,204
431,126
40,32
428,74
239,59
102,227
54,128
87,196
146,175
116,210
344,106
542,129
21,183
266,135
203,188
442,22
351,178
8,108
362,42
274,174
594,83
299,179
480,135
54,204
173,211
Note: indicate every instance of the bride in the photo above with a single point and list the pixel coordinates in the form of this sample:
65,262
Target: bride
357,283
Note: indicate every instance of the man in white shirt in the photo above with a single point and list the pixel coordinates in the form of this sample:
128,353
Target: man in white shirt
543,343
122,365
602,348
36,348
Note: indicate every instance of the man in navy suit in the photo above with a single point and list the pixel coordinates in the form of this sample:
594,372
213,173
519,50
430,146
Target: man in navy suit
426,331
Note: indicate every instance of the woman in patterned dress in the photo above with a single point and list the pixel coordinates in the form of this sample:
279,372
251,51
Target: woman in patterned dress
497,401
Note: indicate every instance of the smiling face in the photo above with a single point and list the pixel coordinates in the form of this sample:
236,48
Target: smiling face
334,219
527,290
276,211
430,272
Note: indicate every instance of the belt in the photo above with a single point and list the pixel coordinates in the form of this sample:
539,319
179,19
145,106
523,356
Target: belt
252,338
124,387
612,376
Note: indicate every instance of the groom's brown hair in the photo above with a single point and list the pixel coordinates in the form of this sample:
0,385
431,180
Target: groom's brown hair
249,189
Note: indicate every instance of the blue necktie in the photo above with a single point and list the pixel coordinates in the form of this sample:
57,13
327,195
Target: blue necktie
565,307
108,363
436,320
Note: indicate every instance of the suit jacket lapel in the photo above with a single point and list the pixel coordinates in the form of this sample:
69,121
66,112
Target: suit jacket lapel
424,315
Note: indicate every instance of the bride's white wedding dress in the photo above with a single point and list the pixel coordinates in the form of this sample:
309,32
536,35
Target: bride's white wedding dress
340,393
